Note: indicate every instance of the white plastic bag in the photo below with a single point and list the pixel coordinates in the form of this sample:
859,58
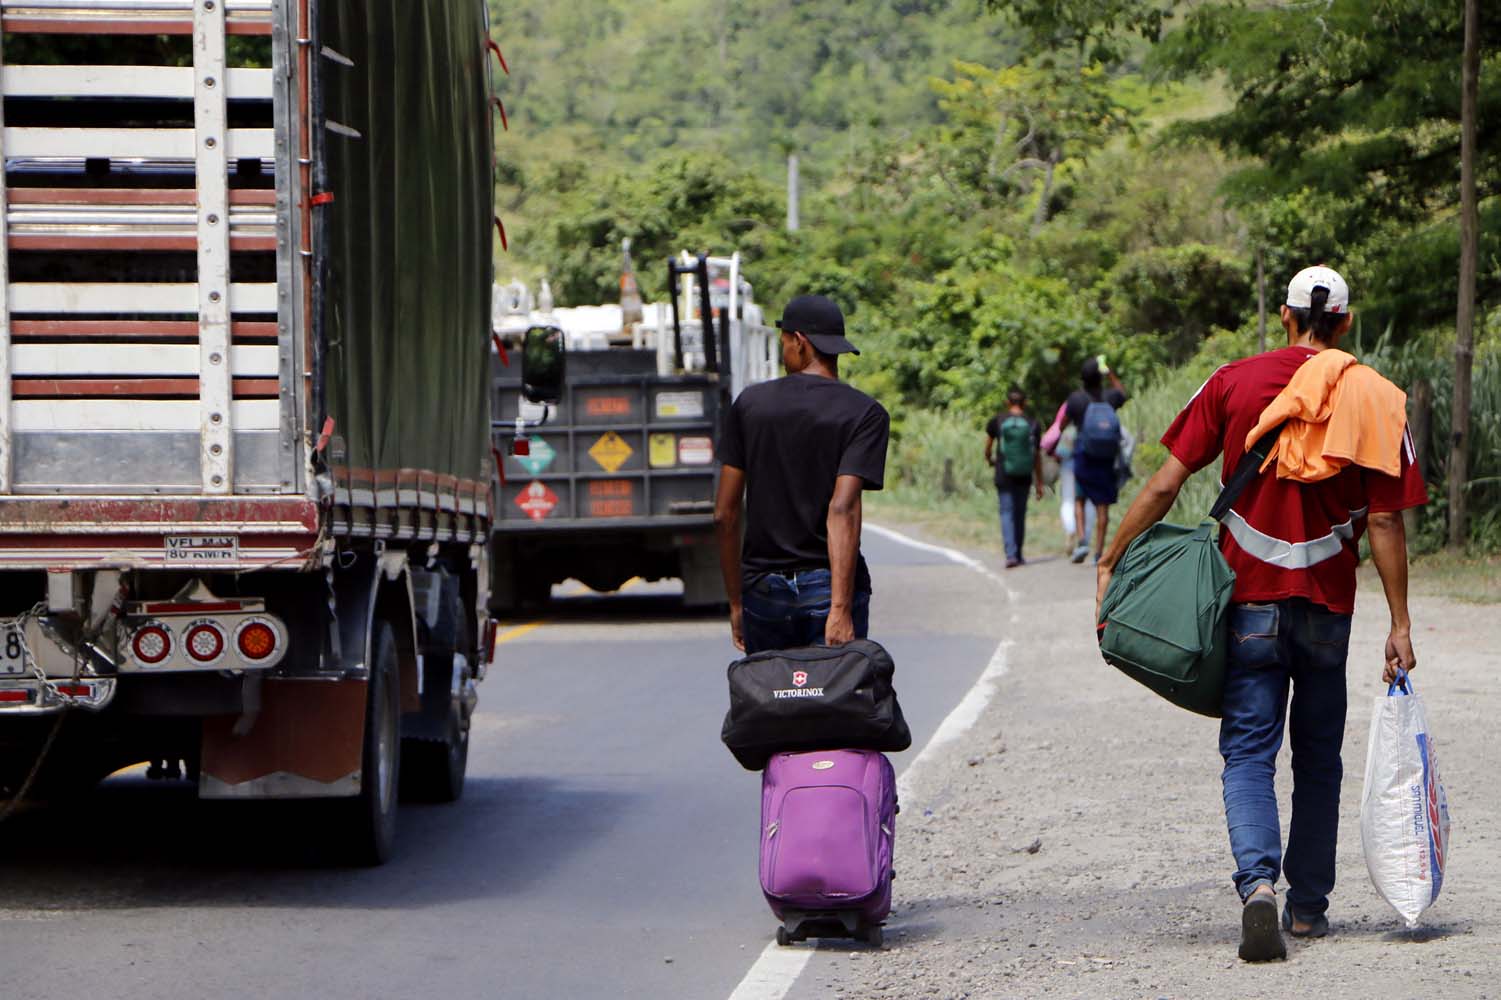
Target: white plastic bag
1404,813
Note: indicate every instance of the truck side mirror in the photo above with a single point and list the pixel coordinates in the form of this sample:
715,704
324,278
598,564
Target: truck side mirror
544,359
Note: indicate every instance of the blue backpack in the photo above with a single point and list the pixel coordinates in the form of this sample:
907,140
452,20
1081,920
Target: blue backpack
1100,433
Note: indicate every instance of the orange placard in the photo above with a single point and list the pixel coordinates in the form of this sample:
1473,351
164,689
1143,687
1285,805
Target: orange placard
608,406
611,498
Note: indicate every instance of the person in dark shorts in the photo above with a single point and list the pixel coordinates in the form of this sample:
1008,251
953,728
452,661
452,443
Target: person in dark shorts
1091,409
797,453
1018,468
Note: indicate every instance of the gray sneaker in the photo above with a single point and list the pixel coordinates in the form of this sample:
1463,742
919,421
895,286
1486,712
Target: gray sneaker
1080,552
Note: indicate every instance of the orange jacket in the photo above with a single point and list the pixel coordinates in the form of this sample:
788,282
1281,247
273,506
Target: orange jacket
1338,413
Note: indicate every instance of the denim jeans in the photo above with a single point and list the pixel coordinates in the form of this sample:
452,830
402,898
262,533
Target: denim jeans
784,614
1013,503
1273,646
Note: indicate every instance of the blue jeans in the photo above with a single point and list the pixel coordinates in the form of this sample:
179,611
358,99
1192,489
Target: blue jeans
1273,646
1013,502
784,614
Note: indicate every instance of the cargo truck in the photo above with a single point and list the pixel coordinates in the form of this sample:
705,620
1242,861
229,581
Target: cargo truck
245,454
617,480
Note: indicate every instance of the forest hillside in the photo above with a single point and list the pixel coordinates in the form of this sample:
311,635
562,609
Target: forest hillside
995,190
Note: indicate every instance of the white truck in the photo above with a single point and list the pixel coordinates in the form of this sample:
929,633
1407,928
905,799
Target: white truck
245,461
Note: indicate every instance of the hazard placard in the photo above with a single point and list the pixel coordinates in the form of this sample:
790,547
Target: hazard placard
663,450
537,500
610,451
540,457
696,450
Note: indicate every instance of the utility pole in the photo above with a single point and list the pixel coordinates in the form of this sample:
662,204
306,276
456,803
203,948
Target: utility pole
1260,300
792,193
1469,254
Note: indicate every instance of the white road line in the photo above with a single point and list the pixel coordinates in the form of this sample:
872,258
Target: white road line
777,969
952,555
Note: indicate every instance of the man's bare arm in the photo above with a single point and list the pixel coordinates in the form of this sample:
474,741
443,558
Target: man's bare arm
989,450
727,507
844,552
1389,552
1150,506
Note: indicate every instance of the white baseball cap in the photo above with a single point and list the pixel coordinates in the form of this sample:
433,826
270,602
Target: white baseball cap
1300,289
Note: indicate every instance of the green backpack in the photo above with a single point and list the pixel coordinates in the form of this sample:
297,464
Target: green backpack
1163,620
1016,446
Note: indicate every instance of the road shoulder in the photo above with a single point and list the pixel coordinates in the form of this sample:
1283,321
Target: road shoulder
1071,842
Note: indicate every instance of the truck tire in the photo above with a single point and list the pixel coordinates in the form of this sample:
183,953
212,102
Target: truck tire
368,824
434,770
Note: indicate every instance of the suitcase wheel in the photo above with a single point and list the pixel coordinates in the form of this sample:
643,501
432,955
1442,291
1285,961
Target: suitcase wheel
783,938
873,936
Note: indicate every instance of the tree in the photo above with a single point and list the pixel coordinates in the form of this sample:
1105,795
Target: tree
1027,119
1096,30
1356,112
1469,252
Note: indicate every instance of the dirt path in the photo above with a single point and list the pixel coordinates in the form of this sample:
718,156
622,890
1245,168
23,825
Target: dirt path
1075,844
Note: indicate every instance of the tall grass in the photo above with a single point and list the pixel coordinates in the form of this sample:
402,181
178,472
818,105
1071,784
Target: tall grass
936,461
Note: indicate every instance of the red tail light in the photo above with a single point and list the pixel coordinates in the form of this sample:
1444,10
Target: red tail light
256,640
14,697
151,644
75,690
204,642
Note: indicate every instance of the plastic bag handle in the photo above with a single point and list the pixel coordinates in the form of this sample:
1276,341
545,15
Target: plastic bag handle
1400,682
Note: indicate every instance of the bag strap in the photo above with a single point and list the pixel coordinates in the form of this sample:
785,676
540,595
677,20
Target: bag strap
1246,471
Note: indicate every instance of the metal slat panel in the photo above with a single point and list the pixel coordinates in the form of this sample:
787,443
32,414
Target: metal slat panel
126,297
210,115
5,303
131,143
126,81
42,415
75,360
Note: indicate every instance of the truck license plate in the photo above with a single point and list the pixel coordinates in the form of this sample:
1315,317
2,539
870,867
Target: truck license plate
12,651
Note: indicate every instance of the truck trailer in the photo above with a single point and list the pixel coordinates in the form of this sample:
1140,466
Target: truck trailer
245,466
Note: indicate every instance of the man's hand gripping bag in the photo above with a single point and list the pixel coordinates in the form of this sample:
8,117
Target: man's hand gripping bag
1404,813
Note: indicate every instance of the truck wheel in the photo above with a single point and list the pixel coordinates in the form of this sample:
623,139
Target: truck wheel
433,770
369,822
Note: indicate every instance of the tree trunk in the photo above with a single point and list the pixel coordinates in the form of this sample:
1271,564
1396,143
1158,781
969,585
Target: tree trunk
1040,217
1469,253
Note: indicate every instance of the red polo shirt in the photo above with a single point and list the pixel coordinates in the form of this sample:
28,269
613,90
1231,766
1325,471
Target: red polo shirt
1283,538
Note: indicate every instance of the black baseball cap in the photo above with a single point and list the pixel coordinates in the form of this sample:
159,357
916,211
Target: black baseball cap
818,319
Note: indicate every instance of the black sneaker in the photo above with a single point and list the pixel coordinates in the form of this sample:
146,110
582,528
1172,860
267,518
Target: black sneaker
1260,935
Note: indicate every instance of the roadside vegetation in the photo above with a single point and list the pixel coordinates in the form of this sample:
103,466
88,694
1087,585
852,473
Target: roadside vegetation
988,217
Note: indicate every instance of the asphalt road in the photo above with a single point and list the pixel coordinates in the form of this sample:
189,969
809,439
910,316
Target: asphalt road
605,846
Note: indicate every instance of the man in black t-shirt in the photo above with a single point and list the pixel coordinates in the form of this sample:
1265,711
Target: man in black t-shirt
1018,468
1091,408
797,452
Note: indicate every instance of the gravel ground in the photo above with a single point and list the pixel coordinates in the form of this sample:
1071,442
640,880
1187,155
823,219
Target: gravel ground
1072,843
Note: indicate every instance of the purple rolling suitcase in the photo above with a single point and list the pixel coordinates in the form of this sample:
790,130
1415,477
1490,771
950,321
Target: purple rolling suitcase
828,825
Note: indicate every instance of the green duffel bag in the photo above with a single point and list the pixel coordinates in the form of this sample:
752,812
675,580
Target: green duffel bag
1163,619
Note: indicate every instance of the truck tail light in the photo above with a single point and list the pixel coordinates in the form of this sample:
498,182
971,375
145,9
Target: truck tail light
76,690
151,644
204,642
256,640
15,697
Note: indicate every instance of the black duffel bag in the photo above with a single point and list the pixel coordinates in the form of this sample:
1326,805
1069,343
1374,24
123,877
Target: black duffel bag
814,698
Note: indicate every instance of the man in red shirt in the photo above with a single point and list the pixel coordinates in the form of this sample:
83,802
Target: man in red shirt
1293,547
